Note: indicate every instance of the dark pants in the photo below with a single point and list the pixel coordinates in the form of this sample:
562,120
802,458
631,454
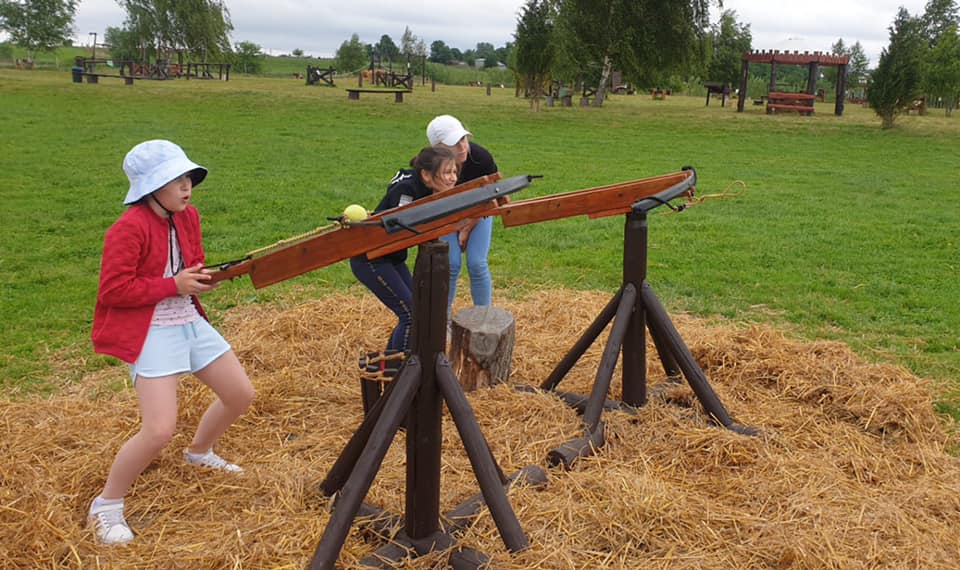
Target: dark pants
393,285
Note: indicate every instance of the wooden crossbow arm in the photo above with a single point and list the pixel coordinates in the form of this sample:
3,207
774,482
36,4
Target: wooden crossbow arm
592,202
313,253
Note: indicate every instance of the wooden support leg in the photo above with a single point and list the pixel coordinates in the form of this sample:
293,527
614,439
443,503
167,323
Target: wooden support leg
487,471
462,515
344,464
569,451
357,485
661,326
601,383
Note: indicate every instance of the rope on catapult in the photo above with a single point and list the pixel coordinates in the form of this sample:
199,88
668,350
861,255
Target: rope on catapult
295,239
694,200
380,366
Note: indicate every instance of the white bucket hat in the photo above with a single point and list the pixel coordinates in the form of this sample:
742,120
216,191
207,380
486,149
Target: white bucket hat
152,164
446,129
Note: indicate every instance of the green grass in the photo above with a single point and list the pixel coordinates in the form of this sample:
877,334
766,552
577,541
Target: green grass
844,232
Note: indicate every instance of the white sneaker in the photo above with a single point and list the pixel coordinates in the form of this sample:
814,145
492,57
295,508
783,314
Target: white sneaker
211,460
109,524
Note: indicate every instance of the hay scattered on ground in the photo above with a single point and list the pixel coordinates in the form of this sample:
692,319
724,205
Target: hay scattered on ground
850,471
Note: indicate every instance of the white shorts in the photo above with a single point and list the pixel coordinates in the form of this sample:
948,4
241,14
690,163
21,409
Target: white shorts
178,349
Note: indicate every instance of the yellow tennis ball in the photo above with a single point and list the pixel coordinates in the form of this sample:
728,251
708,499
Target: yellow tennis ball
354,213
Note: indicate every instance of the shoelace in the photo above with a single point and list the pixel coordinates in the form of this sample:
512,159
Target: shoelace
110,518
212,460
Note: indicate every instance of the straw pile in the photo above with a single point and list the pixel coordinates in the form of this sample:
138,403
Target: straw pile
850,472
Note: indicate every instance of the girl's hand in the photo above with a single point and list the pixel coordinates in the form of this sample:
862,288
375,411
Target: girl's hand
464,234
193,280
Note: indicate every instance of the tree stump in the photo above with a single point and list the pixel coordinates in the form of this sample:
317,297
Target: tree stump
481,346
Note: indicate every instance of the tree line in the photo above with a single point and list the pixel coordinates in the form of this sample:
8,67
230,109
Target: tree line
921,60
647,42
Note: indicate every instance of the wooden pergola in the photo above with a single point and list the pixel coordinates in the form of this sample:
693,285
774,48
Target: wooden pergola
813,61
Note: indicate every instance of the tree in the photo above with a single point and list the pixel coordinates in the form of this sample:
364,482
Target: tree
387,50
534,49
440,52
896,82
644,38
729,39
297,52
248,56
351,55
199,27
124,45
943,72
486,51
38,25
938,15
505,53
858,69
408,43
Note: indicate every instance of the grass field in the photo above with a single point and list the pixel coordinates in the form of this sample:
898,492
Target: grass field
844,231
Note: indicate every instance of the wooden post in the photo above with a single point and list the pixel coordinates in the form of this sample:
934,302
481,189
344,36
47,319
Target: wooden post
812,73
744,75
424,432
841,90
634,352
481,346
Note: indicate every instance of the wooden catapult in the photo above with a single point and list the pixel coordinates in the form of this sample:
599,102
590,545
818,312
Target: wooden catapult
415,397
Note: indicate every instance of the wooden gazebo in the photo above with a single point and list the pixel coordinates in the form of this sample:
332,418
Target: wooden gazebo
813,61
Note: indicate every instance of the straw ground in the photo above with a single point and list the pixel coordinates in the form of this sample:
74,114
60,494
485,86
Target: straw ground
850,470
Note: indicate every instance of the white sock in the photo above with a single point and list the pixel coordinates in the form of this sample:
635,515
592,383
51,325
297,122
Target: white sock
194,456
101,502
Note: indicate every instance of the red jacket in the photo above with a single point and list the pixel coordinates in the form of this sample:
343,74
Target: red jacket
135,252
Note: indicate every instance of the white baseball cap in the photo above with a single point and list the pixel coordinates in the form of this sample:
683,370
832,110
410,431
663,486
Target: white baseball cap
152,164
446,129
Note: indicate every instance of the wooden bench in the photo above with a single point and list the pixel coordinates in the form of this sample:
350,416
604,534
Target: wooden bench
799,102
95,77
802,109
354,93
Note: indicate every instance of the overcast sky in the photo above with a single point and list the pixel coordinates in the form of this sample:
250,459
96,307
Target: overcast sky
318,27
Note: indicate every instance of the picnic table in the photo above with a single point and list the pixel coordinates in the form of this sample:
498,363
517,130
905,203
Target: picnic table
782,101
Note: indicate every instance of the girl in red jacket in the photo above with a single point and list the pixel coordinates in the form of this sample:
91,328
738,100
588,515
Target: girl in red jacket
148,315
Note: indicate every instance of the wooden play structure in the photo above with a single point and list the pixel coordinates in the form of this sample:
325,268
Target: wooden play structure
794,101
316,75
425,381
162,69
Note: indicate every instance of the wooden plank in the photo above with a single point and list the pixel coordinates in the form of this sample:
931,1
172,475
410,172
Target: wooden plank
795,58
356,90
597,202
779,95
783,107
